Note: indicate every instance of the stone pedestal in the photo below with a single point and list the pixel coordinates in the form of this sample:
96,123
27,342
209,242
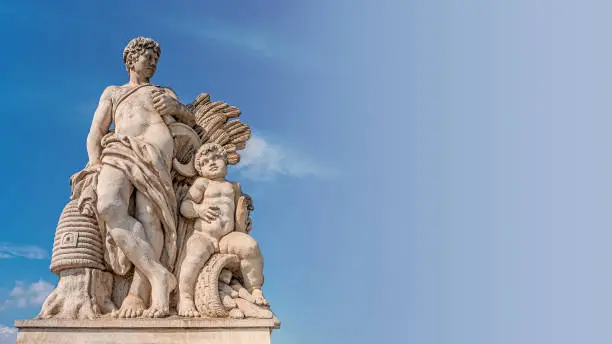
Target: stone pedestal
146,331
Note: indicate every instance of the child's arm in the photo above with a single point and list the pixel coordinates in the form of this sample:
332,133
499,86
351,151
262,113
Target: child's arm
194,196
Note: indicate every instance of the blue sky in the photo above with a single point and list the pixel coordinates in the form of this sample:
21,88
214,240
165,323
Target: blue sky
423,172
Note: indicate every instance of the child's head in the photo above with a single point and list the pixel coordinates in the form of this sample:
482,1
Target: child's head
211,161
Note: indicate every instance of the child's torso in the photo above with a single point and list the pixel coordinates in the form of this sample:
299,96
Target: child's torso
220,195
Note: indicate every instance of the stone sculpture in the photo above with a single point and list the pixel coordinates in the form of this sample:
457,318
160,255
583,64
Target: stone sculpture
153,228
220,227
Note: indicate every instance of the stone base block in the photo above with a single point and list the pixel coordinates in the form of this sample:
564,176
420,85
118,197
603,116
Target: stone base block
146,331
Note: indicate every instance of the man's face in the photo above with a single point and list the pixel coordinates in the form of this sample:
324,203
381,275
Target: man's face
213,165
146,64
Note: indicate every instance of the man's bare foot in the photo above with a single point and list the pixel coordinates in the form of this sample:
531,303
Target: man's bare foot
186,308
160,295
259,297
156,312
132,307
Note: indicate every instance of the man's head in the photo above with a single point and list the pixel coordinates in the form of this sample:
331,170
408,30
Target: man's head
140,55
211,161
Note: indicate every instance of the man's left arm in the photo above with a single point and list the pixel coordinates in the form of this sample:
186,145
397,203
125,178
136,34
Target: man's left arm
168,104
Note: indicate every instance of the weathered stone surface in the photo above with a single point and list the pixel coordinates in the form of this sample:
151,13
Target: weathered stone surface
145,331
169,322
153,228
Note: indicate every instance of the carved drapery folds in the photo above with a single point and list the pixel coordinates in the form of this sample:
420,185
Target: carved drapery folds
89,288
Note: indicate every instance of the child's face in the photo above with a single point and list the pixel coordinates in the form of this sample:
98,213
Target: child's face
213,165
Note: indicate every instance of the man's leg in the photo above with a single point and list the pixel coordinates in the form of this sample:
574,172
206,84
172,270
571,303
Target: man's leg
114,190
251,261
134,303
140,289
145,213
198,250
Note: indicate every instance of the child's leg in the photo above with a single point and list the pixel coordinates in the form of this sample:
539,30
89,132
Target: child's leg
198,250
251,260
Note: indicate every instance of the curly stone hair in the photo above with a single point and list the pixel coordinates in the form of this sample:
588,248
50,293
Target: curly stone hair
210,147
138,46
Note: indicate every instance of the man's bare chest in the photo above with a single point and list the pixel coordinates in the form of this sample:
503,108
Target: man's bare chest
135,105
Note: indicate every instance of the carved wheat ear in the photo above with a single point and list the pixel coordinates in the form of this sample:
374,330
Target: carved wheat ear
220,124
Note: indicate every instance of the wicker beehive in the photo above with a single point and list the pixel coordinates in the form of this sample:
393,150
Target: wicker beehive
78,243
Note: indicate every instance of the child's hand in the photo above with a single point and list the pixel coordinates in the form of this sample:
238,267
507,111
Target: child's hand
211,213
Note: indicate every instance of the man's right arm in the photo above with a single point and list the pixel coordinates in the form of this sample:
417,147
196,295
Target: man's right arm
99,127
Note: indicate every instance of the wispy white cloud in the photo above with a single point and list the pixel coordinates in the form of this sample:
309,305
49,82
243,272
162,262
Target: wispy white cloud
8,335
8,250
233,35
264,160
26,295
248,40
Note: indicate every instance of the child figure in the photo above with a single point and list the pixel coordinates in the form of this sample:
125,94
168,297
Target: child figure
221,225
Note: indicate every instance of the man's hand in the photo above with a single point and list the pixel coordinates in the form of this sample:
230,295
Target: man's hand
167,104
164,104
